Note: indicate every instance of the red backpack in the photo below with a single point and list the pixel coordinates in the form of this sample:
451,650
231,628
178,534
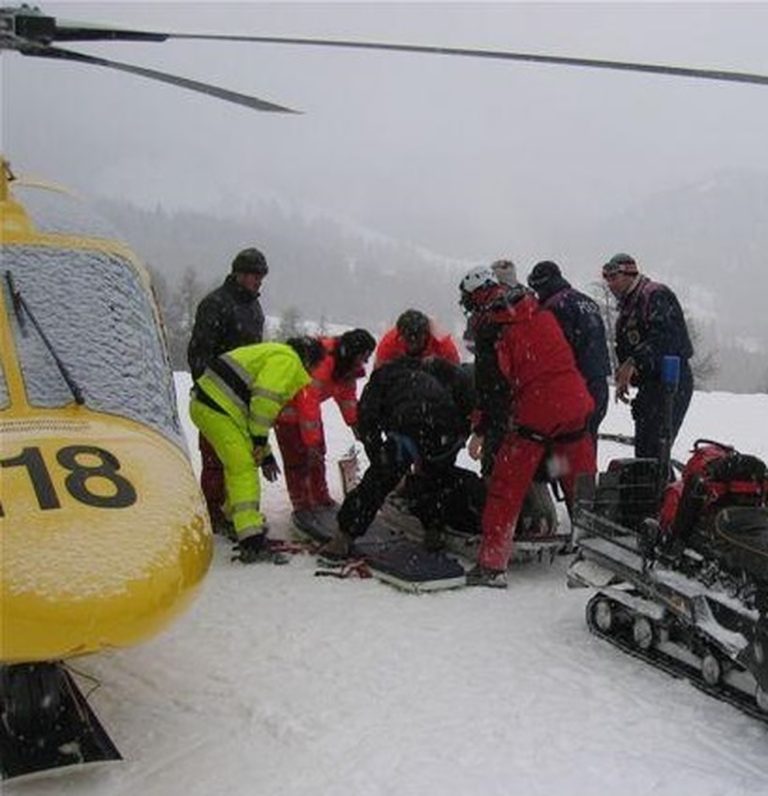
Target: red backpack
715,476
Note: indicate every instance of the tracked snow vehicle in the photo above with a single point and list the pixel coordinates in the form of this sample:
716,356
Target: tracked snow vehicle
682,578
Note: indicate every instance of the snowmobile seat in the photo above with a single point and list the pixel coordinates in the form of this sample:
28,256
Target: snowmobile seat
741,536
627,491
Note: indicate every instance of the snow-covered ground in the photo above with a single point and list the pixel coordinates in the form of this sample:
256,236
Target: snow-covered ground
277,682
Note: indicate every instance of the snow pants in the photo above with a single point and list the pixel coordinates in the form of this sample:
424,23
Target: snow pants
304,475
234,448
598,389
211,480
514,468
648,413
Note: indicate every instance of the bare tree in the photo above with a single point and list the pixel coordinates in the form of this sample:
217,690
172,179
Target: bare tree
704,364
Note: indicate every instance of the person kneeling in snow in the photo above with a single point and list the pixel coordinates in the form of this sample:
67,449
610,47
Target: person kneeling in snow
414,335
411,415
547,407
234,403
299,427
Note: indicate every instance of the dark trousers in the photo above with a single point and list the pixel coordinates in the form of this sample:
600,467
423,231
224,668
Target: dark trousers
648,409
388,464
598,389
211,480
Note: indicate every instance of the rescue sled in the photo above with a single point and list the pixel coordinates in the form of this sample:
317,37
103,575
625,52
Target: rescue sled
384,552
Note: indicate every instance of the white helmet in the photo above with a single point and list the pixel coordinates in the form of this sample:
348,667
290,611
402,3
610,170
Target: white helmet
482,276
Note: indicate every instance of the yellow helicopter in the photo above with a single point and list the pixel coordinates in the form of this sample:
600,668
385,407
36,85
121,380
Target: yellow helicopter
104,536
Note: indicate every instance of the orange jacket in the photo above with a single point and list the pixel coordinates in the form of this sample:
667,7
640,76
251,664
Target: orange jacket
304,408
392,346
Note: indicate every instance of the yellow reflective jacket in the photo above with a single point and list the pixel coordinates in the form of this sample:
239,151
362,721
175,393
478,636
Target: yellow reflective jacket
253,383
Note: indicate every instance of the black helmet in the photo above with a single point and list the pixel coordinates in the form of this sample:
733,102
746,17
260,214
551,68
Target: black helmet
250,261
309,349
413,324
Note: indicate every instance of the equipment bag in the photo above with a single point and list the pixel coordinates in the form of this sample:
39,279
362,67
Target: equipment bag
716,476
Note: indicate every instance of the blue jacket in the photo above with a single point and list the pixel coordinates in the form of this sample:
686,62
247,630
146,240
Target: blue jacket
650,326
582,324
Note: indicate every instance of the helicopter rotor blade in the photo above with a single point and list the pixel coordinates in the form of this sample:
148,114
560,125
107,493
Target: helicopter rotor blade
79,31
73,31
42,51
502,55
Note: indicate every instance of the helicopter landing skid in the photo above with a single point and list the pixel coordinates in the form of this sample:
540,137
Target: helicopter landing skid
46,724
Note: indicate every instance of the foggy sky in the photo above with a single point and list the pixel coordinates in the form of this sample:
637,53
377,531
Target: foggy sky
471,159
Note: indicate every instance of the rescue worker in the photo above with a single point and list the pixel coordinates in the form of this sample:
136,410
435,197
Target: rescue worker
582,324
506,272
412,415
234,404
547,409
650,326
229,317
414,335
299,427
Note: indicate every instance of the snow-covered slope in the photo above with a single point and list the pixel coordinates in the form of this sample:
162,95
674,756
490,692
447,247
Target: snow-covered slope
278,682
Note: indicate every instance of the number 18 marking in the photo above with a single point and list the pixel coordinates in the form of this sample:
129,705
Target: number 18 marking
76,482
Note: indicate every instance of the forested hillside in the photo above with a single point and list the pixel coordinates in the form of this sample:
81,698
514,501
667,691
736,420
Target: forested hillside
330,272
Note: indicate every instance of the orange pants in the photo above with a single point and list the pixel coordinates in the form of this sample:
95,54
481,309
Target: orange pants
304,476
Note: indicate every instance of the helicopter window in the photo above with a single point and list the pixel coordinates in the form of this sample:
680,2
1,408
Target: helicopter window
100,320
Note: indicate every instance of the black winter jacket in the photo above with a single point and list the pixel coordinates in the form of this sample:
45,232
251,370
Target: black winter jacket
650,326
431,406
227,318
579,318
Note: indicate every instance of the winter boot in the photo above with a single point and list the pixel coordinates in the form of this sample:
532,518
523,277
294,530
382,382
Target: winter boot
482,576
338,549
258,548
224,527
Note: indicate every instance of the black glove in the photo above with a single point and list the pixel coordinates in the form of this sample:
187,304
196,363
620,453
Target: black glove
269,468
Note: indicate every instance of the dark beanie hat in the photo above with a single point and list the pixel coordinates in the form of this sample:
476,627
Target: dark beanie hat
543,273
356,342
250,261
621,263
309,349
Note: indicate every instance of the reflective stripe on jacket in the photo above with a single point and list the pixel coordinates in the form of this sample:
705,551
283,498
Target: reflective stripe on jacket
253,383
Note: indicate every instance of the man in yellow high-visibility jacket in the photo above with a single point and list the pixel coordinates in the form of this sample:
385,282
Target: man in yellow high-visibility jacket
234,404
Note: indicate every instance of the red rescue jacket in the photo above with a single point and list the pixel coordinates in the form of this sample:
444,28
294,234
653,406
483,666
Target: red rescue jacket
548,392
391,346
304,408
